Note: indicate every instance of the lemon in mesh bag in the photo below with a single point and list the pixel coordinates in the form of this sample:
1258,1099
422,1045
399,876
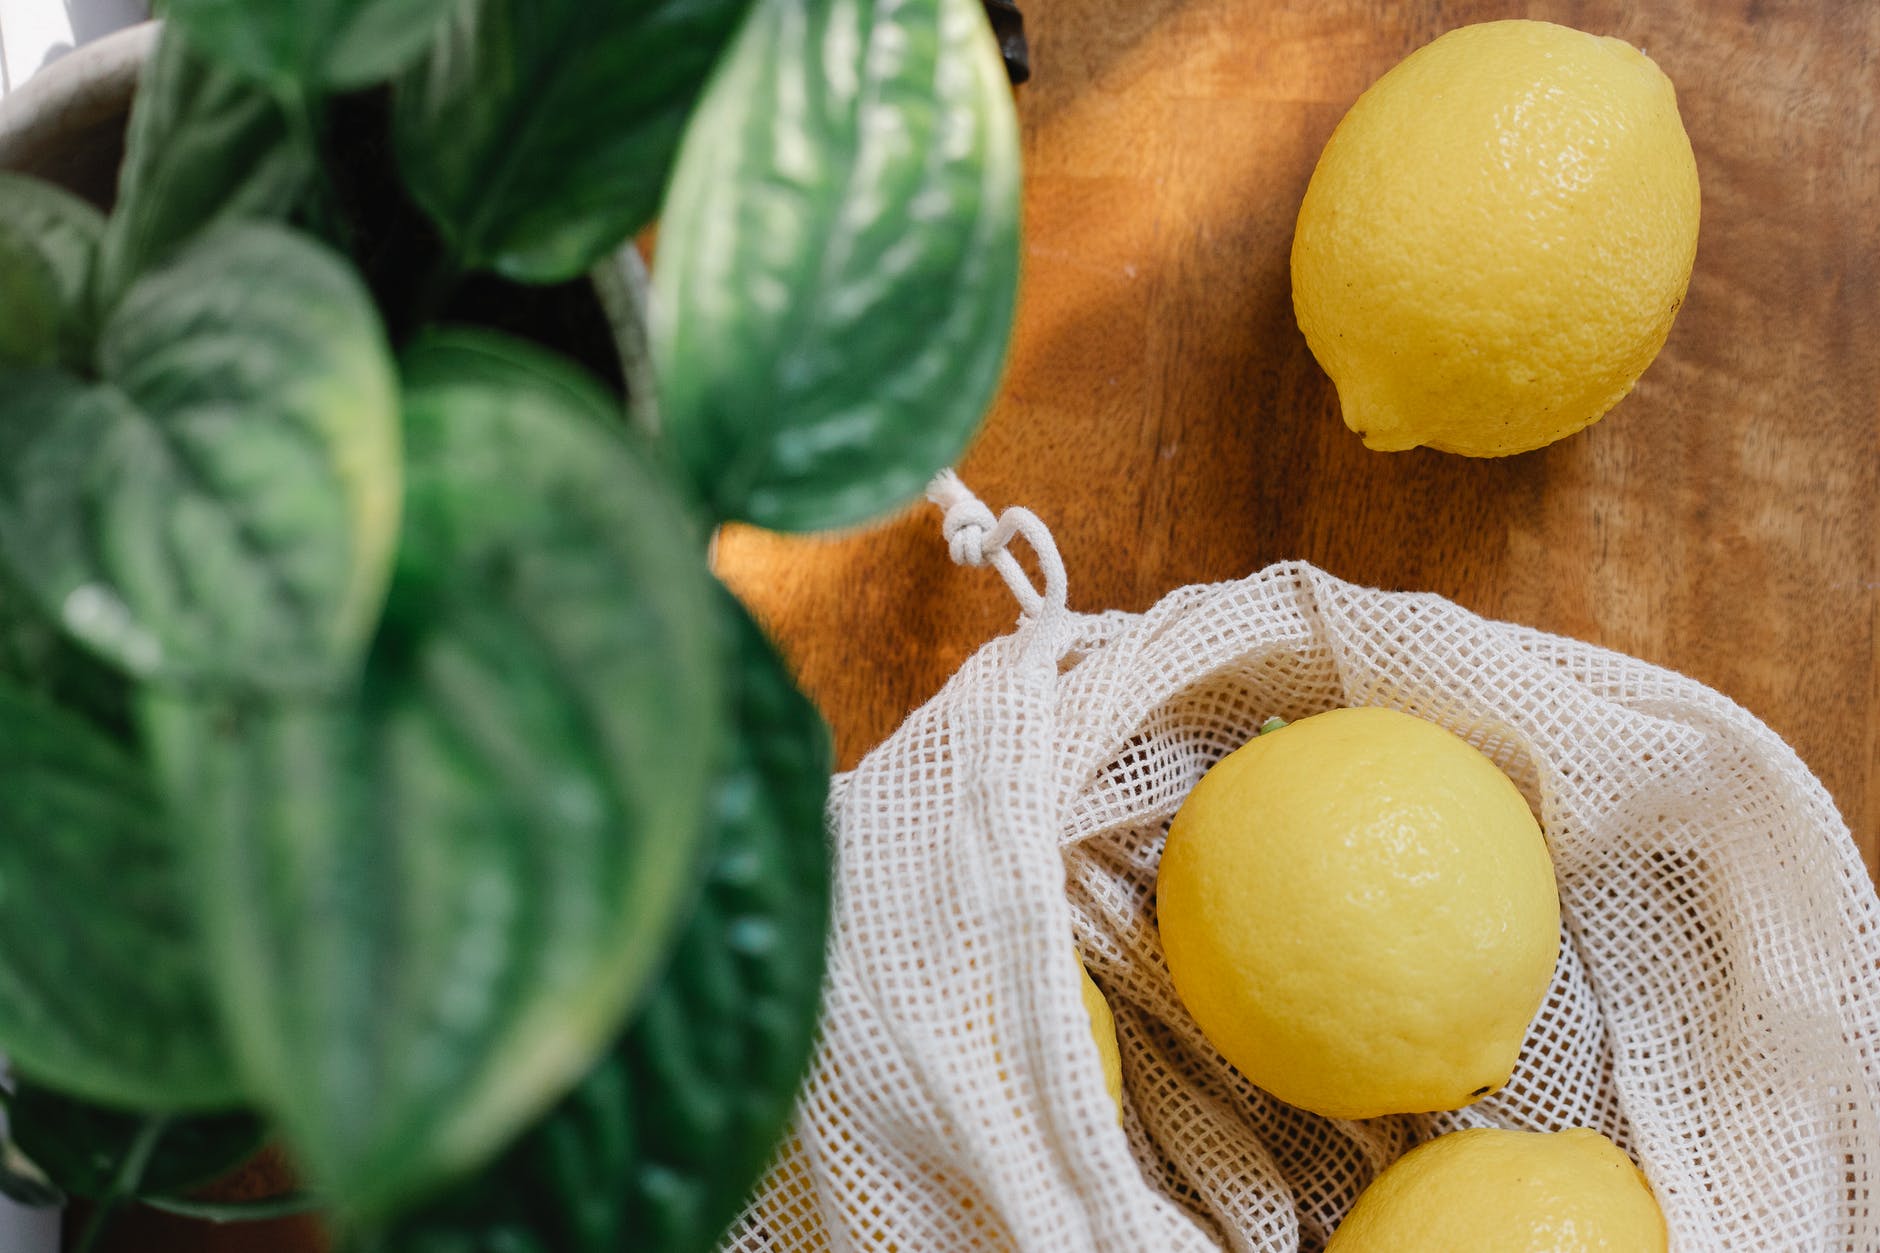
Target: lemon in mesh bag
1359,911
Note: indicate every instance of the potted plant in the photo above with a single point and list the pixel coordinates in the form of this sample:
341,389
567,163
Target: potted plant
385,774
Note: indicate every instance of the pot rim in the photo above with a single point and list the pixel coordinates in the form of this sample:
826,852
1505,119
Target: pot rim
90,84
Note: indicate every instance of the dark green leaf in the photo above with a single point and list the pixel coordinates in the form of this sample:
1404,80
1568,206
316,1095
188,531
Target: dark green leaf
537,133
561,1189
48,244
223,506
837,258
81,1147
716,1054
300,45
102,988
657,1149
430,906
205,146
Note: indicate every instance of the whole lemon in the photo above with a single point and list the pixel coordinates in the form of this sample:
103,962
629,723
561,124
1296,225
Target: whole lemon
1359,911
1493,1191
1496,239
1103,1031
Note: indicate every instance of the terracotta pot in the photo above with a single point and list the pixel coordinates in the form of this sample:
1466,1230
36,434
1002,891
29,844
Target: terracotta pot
66,123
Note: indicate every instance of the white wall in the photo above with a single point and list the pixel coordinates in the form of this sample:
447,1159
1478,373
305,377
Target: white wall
33,32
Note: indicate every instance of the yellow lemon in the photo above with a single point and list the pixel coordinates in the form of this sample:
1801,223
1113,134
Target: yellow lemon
1103,1031
1359,911
1496,238
1492,1191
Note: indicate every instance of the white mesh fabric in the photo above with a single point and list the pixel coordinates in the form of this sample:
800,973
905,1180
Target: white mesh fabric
1714,1010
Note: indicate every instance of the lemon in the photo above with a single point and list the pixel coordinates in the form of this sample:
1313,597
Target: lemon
1496,239
1103,1031
1492,1191
1359,911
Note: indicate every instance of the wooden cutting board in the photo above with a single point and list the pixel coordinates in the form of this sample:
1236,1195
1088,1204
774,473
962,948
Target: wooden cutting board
1163,416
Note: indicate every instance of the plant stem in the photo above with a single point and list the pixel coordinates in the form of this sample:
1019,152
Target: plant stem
434,290
624,286
304,125
282,1206
130,1177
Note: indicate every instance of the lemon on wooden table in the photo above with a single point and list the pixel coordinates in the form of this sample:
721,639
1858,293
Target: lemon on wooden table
1103,1031
1359,911
1493,1191
1496,239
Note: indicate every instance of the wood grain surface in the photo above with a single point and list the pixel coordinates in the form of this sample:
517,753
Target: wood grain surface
1163,415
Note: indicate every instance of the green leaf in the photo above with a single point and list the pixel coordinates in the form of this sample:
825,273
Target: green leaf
303,44
223,505
81,1147
102,986
205,147
43,661
659,1146
48,244
537,133
837,258
431,904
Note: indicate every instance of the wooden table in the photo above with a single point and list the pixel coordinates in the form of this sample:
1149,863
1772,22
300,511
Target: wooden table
1163,415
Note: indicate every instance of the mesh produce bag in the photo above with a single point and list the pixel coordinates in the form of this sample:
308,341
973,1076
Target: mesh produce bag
1714,1009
